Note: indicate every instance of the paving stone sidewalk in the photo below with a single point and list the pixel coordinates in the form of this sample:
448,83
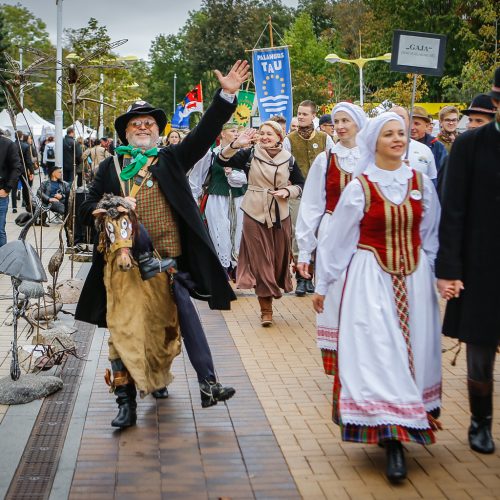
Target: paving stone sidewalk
274,439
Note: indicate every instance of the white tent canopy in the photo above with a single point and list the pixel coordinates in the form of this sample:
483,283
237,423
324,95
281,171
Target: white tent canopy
26,122
81,130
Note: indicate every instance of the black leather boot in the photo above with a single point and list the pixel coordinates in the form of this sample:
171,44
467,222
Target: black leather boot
160,393
395,466
150,266
127,406
481,407
212,392
301,289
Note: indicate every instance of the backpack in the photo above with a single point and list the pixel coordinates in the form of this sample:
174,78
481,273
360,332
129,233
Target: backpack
51,155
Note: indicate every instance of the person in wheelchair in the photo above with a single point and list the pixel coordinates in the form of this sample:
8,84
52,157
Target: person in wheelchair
54,193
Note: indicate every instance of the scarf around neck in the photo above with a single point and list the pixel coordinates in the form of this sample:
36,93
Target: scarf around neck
140,159
306,132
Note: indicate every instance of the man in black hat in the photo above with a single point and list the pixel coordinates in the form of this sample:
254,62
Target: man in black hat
468,267
154,183
481,111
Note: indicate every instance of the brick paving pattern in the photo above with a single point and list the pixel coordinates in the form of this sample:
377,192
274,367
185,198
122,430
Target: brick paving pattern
286,371
178,449
275,438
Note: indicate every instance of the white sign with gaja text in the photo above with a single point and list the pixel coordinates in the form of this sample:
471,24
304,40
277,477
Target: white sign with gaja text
416,52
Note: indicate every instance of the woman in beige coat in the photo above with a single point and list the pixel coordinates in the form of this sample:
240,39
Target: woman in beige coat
273,179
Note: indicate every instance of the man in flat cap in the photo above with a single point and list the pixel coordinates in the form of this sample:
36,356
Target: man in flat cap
154,184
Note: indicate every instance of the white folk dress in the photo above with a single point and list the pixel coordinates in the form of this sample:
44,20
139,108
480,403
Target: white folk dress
379,398
223,214
313,217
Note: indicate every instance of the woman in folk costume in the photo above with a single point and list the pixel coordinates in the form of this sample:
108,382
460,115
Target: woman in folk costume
384,232
329,175
273,178
225,188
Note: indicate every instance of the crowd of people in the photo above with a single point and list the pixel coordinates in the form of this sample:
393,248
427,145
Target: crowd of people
367,212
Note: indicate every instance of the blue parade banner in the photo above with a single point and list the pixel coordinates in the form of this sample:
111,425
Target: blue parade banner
273,83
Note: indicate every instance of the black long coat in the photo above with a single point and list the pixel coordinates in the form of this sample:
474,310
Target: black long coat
10,164
198,254
469,236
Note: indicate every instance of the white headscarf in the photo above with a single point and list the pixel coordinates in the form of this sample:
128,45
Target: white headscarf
354,111
367,139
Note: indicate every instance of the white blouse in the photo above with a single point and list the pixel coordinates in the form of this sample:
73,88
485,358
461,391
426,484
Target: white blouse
313,202
339,240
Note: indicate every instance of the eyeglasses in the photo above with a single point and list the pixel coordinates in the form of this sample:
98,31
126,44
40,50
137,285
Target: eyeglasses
450,120
138,123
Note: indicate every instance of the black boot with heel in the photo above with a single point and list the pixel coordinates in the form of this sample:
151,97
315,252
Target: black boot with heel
481,407
396,465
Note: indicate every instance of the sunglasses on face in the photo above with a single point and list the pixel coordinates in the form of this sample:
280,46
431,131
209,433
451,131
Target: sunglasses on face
148,123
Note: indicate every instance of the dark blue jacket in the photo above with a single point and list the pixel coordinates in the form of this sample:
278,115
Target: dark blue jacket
437,148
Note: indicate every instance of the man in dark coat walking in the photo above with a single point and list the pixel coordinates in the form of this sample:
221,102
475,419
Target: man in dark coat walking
200,272
27,168
72,155
468,263
10,170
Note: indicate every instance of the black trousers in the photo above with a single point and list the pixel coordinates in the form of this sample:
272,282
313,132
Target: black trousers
480,362
195,340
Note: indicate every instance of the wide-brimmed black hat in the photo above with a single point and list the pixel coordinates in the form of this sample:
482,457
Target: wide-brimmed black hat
483,104
495,90
136,109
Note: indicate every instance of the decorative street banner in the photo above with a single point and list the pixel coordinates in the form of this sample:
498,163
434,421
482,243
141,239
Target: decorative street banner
419,53
193,102
273,83
244,109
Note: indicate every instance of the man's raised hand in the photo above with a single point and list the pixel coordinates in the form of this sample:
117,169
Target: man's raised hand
237,75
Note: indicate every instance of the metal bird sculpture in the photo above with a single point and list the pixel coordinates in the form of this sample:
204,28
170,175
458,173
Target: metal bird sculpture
19,260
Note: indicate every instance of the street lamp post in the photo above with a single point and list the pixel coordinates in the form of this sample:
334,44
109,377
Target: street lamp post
100,133
359,62
21,88
58,113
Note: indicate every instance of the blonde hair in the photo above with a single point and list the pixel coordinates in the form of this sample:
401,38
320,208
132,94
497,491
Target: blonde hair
275,126
447,110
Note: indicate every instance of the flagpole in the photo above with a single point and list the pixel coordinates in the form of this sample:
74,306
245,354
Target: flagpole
175,85
271,31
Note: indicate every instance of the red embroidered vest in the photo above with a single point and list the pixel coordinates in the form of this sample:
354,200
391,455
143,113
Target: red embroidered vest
336,180
390,231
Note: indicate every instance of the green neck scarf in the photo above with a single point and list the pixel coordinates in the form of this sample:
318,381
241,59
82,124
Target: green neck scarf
140,159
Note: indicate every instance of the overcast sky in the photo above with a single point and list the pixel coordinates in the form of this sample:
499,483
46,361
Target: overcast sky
121,17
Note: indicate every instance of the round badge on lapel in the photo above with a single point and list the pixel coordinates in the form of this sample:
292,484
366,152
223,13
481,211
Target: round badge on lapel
149,183
315,146
415,194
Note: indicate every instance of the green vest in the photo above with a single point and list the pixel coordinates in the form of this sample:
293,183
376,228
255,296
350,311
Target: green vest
218,183
306,150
